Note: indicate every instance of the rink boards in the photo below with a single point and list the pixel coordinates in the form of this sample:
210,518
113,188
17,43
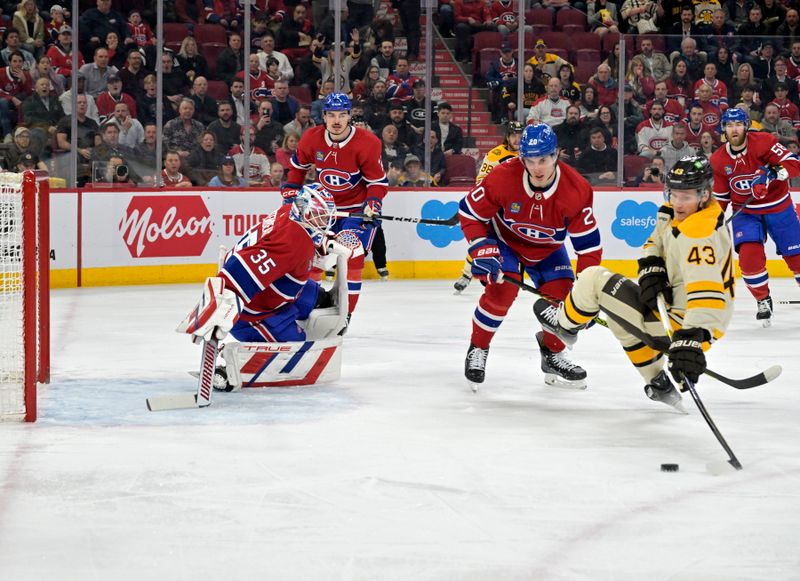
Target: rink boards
120,237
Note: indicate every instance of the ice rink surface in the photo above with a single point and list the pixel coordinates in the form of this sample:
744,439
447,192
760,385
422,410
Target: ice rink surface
397,471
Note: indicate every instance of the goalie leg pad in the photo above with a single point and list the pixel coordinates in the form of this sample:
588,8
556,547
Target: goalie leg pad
293,363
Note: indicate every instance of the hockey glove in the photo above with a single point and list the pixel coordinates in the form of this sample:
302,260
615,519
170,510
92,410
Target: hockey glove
486,260
289,194
372,213
686,357
653,279
761,181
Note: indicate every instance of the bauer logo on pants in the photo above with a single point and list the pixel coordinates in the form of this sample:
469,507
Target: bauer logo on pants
158,226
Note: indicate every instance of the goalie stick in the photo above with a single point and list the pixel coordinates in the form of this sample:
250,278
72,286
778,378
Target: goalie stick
745,383
205,383
432,221
788,302
714,467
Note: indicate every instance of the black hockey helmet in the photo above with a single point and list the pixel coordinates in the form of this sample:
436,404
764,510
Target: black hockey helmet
514,127
692,172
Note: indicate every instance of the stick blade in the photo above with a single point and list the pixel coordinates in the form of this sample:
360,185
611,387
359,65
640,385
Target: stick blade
721,468
176,401
772,373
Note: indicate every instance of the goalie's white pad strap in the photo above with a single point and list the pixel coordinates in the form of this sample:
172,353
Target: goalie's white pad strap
287,364
217,308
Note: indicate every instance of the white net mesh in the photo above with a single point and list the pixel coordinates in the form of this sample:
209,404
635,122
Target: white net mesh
12,356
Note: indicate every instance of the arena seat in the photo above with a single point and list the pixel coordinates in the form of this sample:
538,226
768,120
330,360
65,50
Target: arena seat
633,165
175,32
205,33
461,169
570,16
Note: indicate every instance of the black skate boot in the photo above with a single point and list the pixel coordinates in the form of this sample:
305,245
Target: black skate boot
558,370
462,282
475,366
764,313
547,314
661,389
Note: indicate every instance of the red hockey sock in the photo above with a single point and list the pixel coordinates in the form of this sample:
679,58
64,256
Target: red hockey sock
491,310
753,263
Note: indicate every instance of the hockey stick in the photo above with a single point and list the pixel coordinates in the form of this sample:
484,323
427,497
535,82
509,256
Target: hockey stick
788,302
205,383
732,459
432,221
745,383
742,207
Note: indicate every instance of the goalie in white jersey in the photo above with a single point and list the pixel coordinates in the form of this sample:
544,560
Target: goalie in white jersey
687,259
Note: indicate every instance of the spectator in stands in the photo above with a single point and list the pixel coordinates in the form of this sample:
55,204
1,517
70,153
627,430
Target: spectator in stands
362,88
718,34
736,11
725,66
415,109
788,32
399,83
673,110
117,173
681,30
392,152
502,73
108,99
269,134
140,31
326,88
257,173
222,12
569,88
532,91
546,63
640,16
12,45
284,106
711,112
656,64
295,34
116,54
695,61
133,74
146,103
588,104
44,70
413,176
144,154
653,174
174,82
171,175
612,60
405,132
302,121
88,137
110,144
744,78
268,51
550,109
205,108
42,112
231,60
22,146
763,63
376,108
598,162
605,87
438,168
30,26
203,161
226,175
182,133
632,115
637,77
96,23
570,136
772,123
505,16
276,172
773,14
97,72
708,143
607,121
192,63
779,75
471,16
261,84
602,17
385,58
719,91
449,134
676,148
653,133
236,99
54,24
679,85
131,132
15,85
60,53
751,34
283,155
695,127
788,110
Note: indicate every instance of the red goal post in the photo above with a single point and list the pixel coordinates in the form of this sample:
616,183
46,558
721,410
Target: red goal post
24,292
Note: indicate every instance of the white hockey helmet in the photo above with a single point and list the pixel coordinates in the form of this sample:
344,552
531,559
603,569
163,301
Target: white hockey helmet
314,209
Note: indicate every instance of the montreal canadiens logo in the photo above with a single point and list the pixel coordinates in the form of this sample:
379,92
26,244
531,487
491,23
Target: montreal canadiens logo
711,119
657,143
532,231
335,180
741,184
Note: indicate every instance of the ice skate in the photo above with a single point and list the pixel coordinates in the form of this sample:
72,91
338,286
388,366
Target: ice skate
661,389
764,313
383,273
547,314
558,370
462,283
475,366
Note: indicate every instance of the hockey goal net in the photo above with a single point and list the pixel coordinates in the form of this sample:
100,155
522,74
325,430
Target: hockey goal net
24,292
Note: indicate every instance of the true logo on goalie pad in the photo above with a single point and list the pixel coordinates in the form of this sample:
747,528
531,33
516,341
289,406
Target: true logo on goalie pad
284,364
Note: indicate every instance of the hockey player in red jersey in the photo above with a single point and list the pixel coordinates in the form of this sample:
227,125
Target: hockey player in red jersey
348,164
518,217
756,164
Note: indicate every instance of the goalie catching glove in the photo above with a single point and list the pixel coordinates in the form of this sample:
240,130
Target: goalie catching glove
686,357
218,309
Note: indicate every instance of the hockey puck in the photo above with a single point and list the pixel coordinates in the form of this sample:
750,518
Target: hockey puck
669,467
